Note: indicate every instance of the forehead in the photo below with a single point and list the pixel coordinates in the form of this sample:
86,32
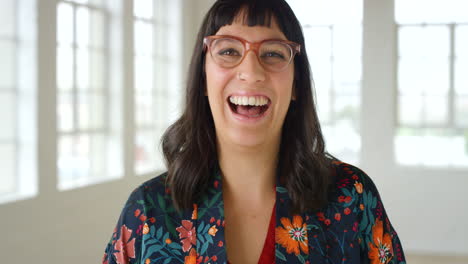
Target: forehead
239,28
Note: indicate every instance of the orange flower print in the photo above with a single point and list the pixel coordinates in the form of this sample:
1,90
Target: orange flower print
361,206
292,236
147,261
168,241
358,187
212,231
143,217
125,246
191,258
187,235
146,229
380,250
195,212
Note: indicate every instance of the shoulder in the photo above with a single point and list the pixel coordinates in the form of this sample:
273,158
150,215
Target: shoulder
349,176
352,186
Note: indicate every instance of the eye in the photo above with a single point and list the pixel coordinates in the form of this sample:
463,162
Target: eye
273,55
228,52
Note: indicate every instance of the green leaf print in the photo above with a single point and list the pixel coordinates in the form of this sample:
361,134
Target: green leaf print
214,200
280,255
301,259
159,233
161,202
281,190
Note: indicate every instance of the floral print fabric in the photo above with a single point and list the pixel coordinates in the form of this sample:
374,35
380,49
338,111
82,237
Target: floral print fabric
353,228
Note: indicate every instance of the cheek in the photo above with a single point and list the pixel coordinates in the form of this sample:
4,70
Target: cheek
216,80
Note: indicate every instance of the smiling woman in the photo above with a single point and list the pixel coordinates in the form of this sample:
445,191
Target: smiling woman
249,180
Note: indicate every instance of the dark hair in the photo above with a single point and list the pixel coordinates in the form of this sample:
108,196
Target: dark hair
189,145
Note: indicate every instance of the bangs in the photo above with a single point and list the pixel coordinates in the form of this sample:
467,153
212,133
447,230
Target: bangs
250,13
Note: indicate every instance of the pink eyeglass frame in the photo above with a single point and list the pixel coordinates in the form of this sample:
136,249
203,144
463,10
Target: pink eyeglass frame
255,46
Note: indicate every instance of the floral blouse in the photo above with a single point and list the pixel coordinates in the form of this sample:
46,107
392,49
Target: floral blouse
354,227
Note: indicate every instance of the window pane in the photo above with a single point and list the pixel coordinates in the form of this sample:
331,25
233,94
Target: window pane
326,12
461,41
73,162
98,31
426,41
7,116
65,112
98,73
82,27
91,111
144,109
347,107
98,155
64,23
461,104
92,2
436,110
7,18
7,64
435,74
143,74
82,68
410,110
143,8
8,163
434,11
143,38
319,42
347,77
323,108
410,77
146,151
417,147
65,67
461,76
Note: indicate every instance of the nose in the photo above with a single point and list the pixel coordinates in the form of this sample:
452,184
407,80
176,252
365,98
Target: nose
250,69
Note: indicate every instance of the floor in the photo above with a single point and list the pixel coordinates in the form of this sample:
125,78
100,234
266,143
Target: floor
426,259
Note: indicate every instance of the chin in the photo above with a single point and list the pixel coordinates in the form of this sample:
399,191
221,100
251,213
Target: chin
248,139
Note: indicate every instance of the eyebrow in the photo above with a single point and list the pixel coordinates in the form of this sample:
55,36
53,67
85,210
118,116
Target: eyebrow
272,37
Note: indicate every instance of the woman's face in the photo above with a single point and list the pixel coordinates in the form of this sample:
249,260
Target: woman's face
227,88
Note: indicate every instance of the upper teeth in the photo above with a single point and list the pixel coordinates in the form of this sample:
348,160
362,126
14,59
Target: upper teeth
248,100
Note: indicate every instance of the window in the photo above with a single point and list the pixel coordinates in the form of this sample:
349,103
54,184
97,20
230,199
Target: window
157,77
333,34
89,110
432,98
17,99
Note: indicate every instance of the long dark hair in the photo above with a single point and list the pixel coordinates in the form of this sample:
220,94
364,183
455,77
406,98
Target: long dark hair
189,145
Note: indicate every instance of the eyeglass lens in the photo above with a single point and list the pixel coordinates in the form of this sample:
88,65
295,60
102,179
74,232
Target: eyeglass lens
273,55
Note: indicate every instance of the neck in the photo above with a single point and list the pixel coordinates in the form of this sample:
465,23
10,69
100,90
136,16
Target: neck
248,174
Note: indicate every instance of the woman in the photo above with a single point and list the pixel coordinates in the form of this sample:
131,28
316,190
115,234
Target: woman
248,177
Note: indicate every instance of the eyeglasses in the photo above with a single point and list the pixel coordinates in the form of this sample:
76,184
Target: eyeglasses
273,54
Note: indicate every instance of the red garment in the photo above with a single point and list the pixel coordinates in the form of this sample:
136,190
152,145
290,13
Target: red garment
268,252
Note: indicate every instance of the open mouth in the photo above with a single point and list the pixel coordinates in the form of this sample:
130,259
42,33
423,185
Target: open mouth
250,107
